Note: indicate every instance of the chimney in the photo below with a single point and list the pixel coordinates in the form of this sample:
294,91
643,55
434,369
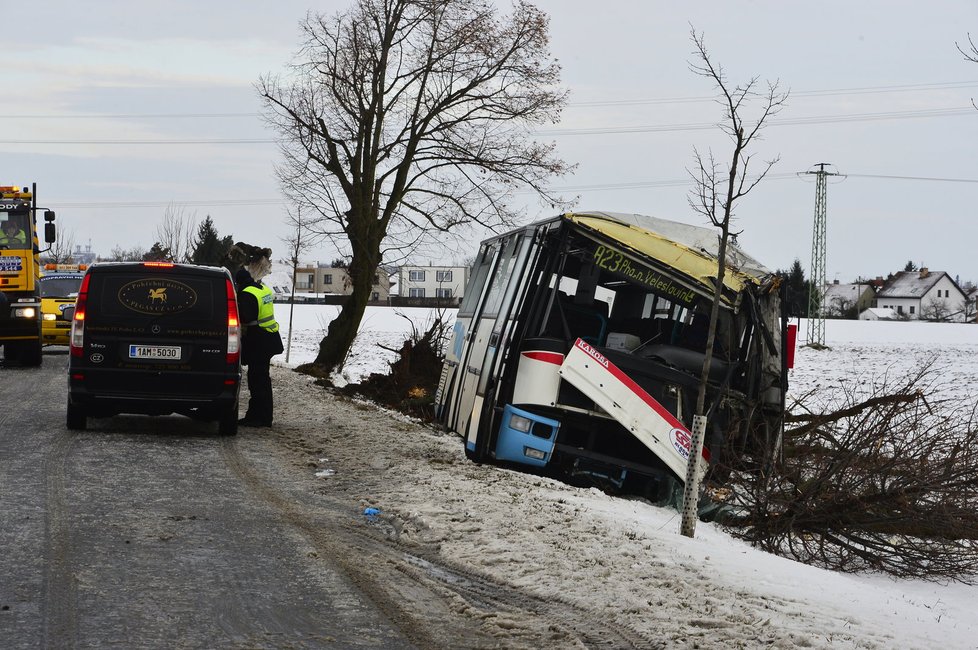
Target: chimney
924,272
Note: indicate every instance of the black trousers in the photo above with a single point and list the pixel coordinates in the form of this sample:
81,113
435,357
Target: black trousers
260,387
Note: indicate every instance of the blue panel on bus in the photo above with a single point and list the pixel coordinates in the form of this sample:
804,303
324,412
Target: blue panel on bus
526,437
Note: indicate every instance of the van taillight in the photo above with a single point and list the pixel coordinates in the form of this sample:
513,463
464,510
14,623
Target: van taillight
77,340
234,327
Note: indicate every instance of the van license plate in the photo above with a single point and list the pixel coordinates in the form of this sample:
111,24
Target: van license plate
154,352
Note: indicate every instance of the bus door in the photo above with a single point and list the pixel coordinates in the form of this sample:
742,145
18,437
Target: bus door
493,365
457,357
484,338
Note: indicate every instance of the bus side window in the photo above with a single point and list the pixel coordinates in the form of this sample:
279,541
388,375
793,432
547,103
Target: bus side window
477,282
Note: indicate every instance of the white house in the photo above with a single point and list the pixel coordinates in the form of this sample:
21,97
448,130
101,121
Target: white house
923,295
841,300
432,281
878,313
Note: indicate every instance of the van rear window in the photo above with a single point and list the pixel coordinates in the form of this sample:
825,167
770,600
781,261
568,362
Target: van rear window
131,296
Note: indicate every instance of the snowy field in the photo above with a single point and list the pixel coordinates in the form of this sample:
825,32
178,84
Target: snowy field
715,590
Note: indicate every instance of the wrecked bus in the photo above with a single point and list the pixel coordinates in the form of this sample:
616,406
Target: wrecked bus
579,345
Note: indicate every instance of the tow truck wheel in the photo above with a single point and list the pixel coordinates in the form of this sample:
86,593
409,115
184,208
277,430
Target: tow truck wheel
30,354
77,419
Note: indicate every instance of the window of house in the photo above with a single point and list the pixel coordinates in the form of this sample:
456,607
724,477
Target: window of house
899,309
416,276
375,296
416,293
443,276
376,278
443,293
328,278
912,309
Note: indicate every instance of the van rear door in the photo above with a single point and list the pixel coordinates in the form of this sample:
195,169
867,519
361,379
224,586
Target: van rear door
161,331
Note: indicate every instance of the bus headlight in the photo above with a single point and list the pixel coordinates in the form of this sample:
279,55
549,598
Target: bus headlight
520,423
49,316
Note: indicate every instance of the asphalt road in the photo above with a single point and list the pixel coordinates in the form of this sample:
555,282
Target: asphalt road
157,533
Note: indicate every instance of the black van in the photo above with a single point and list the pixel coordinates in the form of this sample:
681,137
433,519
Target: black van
155,338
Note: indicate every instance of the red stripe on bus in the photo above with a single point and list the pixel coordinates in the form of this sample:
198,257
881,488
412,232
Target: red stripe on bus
547,357
638,390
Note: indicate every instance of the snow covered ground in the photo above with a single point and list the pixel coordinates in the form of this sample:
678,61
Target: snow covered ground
624,560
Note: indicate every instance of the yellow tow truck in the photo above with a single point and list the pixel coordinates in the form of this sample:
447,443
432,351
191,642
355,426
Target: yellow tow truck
20,270
59,288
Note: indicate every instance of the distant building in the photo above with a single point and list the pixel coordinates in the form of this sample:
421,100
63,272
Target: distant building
83,256
847,300
922,295
878,313
445,282
279,281
324,280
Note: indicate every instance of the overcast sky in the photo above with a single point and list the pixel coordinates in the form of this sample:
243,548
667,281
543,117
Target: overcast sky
878,90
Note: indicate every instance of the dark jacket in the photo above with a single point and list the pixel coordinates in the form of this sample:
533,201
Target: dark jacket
256,342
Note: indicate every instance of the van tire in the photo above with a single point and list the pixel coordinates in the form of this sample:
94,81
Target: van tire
77,418
227,424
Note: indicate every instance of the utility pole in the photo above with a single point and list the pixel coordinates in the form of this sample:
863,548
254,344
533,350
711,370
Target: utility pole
816,315
296,250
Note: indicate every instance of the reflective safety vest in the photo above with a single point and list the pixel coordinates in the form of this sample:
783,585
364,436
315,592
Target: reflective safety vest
266,309
19,240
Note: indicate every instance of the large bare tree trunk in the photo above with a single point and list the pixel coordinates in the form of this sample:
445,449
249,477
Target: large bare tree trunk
343,330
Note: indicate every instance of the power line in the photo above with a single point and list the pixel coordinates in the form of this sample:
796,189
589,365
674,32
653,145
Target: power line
862,90
144,142
865,90
569,188
915,178
665,128
164,204
127,116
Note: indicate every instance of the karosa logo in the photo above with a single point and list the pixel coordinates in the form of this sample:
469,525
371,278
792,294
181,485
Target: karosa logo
591,352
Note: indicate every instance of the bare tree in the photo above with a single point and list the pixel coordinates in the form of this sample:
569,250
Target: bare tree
884,481
298,242
407,120
176,233
842,307
936,309
717,190
968,309
120,254
62,250
970,53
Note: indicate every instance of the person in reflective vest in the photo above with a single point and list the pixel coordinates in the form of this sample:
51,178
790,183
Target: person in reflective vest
260,342
11,235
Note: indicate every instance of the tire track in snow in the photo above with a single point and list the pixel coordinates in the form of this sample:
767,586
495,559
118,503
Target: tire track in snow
435,603
59,615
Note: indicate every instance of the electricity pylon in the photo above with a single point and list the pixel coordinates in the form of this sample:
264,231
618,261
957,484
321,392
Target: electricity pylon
816,291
